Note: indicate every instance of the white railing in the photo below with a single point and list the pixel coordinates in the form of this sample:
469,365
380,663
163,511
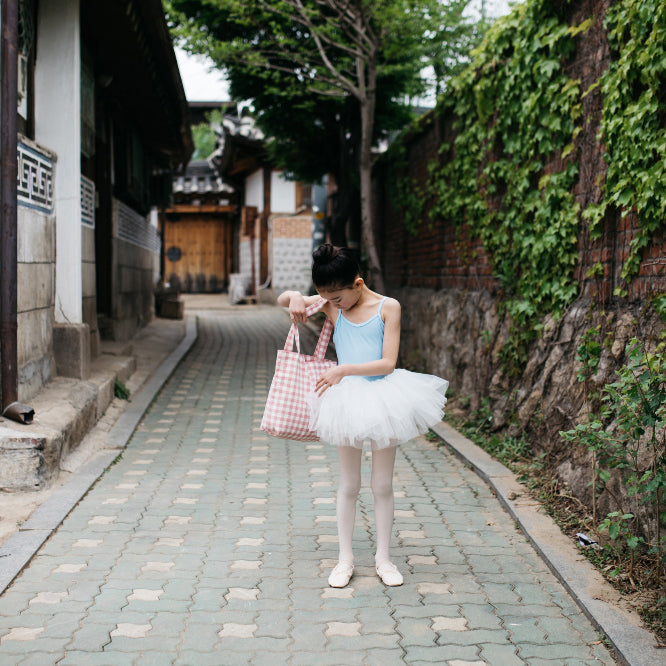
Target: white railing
87,202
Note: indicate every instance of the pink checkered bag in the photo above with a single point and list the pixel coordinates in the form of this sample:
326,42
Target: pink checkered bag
287,413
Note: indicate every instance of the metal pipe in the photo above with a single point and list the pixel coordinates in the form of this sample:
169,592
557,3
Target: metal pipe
8,216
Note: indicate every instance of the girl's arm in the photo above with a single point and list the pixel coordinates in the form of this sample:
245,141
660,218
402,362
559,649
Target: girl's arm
384,366
297,303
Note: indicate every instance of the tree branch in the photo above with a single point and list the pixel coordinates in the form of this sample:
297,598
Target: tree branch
298,16
342,80
239,59
349,17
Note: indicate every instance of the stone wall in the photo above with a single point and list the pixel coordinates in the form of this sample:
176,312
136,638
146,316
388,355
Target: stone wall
135,249
89,287
452,324
36,268
457,334
35,300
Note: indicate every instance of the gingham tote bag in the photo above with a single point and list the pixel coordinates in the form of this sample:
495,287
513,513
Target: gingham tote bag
287,413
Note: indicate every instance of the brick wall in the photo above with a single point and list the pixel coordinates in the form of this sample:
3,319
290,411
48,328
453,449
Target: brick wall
439,255
442,257
299,226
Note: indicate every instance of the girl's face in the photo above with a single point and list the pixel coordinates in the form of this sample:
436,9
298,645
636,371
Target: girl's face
343,299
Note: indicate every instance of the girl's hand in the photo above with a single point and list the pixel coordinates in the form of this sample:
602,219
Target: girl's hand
331,377
297,309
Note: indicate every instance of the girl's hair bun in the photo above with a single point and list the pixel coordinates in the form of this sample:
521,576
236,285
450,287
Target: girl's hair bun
334,267
324,254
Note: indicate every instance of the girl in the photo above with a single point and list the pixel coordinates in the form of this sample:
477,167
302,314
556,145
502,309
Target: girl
364,398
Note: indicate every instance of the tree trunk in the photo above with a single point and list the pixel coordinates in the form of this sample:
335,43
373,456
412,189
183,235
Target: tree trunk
367,104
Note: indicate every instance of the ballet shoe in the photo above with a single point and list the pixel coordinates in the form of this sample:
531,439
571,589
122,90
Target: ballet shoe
389,574
341,574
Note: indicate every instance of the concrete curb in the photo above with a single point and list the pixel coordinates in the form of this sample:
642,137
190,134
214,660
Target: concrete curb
600,601
20,548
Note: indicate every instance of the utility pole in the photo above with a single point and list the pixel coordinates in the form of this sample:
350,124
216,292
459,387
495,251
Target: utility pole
8,215
11,408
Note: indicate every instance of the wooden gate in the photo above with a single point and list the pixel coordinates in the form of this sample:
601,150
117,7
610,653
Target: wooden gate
197,253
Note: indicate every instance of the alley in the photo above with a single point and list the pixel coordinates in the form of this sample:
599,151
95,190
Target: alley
210,543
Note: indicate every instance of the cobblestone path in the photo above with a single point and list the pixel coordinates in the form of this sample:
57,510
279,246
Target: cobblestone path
210,543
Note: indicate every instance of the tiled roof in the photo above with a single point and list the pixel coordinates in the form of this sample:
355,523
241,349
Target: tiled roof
200,178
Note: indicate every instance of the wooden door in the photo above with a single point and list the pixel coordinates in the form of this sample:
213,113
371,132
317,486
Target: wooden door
203,262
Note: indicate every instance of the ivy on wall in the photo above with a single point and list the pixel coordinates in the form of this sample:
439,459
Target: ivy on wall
510,171
633,124
517,116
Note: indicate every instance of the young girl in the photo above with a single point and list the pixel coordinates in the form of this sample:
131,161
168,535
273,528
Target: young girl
364,398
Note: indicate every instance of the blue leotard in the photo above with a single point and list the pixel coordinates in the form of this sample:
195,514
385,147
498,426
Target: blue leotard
360,343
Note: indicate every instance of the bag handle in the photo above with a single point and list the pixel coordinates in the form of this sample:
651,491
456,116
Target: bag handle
324,336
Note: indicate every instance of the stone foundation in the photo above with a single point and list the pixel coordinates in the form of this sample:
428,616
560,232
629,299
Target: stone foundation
458,335
71,343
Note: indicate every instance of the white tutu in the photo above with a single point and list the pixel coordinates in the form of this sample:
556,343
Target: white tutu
385,411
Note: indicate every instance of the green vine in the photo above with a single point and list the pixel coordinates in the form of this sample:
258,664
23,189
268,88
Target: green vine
412,203
508,176
512,169
633,125
406,197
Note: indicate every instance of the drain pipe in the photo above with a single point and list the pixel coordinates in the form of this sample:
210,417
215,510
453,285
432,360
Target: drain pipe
8,215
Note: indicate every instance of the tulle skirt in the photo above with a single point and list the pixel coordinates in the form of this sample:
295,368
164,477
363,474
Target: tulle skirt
384,411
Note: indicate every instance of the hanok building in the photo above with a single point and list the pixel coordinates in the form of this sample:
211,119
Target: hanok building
274,214
103,123
198,231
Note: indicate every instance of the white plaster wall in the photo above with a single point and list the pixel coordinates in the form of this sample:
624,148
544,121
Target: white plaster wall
57,126
283,194
254,190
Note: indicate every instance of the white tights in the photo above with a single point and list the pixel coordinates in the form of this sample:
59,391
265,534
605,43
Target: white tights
381,482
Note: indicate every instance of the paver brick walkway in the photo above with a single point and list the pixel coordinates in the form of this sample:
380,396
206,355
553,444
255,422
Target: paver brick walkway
210,543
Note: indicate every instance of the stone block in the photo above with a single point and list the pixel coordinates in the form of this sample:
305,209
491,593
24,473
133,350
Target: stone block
34,286
124,307
33,375
71,343
105,394
34,335
123,328
36,237
130,279
171,309
66,410
24,460
126,368
94,343
105,370
89,305
88,245
88,279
